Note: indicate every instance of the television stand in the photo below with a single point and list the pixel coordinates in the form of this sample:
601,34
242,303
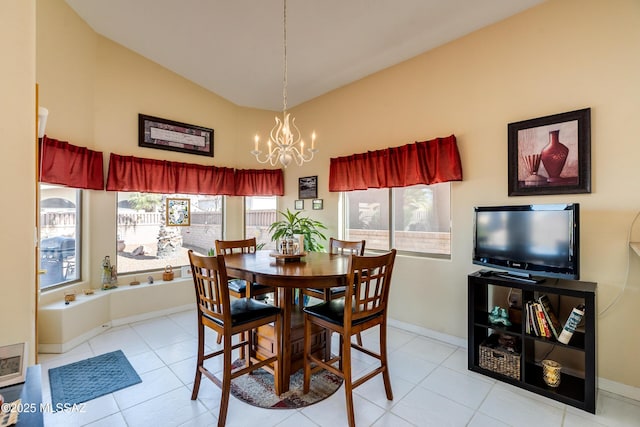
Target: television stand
525,279
523,368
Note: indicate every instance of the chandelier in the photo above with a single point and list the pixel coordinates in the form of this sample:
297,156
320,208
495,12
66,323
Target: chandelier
285,143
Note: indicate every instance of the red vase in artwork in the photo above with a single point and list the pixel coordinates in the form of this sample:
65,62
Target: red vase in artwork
554,156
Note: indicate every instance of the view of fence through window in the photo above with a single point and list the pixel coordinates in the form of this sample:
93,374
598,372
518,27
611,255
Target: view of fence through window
59,235
260,212
421,218
147,242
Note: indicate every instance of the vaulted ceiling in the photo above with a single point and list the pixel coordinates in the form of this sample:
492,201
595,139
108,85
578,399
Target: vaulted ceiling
235,47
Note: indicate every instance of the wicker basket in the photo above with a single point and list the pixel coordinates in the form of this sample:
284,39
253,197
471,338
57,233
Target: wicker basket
499,359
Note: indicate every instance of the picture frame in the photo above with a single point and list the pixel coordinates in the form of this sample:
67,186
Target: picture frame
317,204
551,154
178,212
308,187
299,205
13,364
163,134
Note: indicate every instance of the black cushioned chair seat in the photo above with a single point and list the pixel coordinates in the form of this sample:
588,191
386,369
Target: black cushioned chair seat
333,311
244,310
240,286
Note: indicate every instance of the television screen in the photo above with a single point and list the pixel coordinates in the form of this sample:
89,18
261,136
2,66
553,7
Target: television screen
537,240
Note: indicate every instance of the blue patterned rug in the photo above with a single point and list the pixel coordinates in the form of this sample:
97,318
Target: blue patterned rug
90,378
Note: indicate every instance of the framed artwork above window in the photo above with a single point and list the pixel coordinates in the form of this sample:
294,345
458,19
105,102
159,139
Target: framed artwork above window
154,132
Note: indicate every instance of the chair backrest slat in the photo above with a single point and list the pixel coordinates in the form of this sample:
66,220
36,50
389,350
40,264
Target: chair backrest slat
371,276
210,281
245,246
346,247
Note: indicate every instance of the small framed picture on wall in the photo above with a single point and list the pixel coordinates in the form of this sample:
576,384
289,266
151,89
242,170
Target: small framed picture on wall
317,204
308,187
299,205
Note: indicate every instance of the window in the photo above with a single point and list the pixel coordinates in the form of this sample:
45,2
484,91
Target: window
60,225
259,213
146,243
412,219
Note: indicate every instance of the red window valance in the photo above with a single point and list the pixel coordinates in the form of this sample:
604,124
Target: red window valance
70,165
259,182
128,173
426,162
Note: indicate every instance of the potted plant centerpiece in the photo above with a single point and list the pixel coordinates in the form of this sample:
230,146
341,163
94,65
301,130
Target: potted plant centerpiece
292,224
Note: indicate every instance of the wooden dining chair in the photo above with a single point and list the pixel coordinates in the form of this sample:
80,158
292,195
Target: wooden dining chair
216,310
343,247
364,306
240,288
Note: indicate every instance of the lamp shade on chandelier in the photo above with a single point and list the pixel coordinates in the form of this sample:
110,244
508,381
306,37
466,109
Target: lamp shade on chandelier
285,143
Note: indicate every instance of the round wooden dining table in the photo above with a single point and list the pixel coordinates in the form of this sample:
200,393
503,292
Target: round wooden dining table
314,270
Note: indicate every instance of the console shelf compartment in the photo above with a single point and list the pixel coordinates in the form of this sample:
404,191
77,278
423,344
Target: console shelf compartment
578,385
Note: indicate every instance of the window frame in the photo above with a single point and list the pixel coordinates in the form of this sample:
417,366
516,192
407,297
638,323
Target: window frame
79,201
168,195
391,197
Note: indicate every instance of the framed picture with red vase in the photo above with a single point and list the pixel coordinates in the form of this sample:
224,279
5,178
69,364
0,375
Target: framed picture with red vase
551,154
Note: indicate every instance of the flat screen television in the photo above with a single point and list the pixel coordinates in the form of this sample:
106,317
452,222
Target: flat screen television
529,241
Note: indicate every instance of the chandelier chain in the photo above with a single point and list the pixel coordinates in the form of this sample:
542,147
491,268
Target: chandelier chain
284,78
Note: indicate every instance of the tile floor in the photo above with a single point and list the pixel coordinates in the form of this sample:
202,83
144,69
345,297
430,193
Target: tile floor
431,386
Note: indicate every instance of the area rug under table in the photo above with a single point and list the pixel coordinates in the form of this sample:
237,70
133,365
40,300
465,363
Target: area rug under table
91,378
257,389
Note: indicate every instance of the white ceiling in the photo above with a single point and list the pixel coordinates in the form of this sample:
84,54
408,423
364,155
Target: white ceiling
235,47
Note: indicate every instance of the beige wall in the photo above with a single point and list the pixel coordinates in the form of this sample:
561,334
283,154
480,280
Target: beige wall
560,56
18,137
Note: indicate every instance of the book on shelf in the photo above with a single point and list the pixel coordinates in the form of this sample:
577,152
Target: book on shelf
532,320
552,319
571,324
544,327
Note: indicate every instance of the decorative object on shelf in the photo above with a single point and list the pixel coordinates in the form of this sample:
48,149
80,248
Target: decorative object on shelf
154,132
308,187
87,291
150,280
285,142
317,204
551,372
292,224
69,296
168,274
499,315
551,154
572,323
13,364
299,205
109,275
134,283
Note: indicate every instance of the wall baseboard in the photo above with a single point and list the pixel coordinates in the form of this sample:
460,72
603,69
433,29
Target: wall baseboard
151,315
